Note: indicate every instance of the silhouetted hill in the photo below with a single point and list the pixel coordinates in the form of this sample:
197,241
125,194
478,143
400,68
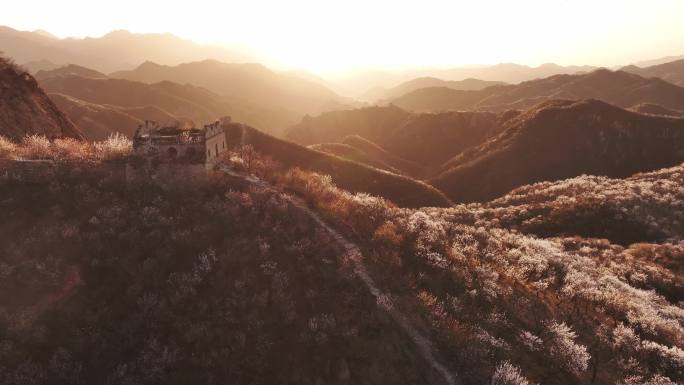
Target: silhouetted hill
562,139
25,109
114,51
71,69
428,139
253,83
616,87
672,72
380,93
347,174
185,102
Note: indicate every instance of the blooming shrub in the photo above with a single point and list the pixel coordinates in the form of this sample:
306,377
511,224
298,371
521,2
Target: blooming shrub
40,148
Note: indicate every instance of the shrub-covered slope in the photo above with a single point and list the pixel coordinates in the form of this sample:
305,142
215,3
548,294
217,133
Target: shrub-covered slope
503,305
204,284
646,207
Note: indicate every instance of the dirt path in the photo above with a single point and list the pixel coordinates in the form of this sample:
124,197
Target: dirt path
353,254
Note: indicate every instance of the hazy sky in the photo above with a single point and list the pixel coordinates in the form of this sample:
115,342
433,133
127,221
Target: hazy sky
328,36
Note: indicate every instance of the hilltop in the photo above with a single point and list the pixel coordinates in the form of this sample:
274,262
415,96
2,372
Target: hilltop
25,109
562,139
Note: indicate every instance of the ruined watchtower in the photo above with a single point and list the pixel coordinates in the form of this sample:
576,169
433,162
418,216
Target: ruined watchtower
177,152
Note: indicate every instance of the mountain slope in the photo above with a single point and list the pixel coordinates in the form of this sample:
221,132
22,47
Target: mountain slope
563,139
25,109
616,87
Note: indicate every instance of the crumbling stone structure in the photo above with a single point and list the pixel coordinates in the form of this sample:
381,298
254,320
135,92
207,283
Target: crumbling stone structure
172,152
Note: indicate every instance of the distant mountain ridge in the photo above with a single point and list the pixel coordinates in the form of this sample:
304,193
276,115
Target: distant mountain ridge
615,87
672,71
97,104
114,51
380,93
253,83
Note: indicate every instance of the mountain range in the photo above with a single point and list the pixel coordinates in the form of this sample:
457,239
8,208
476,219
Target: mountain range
616,87
114,51
672,71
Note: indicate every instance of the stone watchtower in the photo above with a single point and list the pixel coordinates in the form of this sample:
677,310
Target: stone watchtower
172,152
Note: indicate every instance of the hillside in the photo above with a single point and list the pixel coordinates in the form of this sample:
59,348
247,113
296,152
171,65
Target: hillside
504,305
563,139
672,71
25,109
69,70
615,87
205,283
165,99
380,93
354,154
646,207
654,109
378,153
427,139
117,50
350,175
296,280
254,83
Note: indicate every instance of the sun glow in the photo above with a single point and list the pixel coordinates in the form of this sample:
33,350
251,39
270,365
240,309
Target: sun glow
334,36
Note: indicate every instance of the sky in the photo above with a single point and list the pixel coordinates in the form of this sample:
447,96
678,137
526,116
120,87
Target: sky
335,36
